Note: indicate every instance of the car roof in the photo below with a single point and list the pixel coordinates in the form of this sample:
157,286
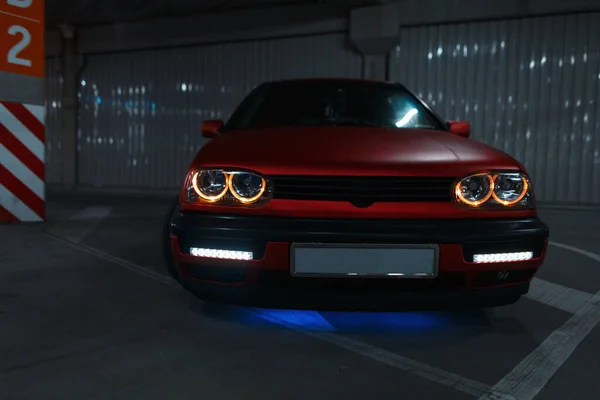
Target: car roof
289,80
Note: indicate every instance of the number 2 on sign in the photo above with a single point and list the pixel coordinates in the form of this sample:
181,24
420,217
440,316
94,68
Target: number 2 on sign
13,54
22,37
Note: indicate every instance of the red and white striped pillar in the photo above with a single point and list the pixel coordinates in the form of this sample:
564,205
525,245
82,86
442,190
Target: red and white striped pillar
21,162
22,144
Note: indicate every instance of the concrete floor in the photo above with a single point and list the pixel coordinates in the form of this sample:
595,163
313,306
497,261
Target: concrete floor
87,312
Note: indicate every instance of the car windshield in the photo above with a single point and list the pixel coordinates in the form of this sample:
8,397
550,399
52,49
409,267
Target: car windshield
332,103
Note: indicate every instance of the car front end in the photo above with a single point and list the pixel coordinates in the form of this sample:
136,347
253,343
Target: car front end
344,194
357,242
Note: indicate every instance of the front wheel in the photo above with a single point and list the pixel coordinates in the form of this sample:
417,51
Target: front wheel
166,243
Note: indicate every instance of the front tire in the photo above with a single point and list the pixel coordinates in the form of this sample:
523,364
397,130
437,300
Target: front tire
166,243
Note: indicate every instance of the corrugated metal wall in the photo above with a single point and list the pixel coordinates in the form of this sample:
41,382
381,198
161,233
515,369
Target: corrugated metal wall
530,87
54,85
140,113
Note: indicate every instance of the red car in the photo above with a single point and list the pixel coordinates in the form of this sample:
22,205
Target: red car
351,194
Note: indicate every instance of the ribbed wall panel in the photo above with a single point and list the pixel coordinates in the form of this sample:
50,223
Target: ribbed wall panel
140,112
530,87
53,104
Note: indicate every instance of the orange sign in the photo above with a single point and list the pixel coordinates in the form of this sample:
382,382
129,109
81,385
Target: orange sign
22,37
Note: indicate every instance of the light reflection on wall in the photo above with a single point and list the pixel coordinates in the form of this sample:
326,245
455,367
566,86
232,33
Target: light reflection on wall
54,107
140,113
530,87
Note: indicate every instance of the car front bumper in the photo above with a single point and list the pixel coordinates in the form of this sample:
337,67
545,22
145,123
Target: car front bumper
266,280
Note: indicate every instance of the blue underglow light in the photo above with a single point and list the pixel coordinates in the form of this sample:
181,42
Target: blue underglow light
411,323
299,319
354,321
386,321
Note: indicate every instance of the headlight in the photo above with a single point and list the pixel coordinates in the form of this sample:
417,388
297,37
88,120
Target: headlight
210,185
474,190
495,190
510,189
247,187
227,187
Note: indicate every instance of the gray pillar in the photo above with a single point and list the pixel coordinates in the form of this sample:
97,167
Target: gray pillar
68,133
375,31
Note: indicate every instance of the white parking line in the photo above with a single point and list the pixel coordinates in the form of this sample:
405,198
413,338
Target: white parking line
138,269
528,378
423,370
91,213
524,382
434,374
585,253
557,296
91,216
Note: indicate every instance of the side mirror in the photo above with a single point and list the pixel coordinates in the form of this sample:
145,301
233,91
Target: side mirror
210,128
460,128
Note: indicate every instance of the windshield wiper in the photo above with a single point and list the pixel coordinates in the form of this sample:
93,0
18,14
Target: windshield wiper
349,122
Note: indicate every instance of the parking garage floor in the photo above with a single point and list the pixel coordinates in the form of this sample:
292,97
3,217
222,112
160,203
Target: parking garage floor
88,312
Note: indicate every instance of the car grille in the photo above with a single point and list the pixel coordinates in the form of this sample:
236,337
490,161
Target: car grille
362,190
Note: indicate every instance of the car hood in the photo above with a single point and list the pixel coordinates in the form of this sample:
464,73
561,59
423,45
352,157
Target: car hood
352,150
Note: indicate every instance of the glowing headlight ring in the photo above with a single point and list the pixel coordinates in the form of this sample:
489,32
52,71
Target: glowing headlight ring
459,196
244,199
515,201
211,199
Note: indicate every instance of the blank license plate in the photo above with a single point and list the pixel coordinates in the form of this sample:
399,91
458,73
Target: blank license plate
335,260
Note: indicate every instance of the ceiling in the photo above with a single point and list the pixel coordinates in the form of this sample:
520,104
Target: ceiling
93,12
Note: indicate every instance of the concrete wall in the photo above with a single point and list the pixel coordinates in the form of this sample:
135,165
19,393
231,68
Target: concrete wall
373,31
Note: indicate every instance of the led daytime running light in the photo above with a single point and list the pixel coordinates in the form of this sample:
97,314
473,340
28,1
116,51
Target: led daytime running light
222,254
502,257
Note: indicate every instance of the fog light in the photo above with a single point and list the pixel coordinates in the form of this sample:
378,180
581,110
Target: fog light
503,257
222,254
